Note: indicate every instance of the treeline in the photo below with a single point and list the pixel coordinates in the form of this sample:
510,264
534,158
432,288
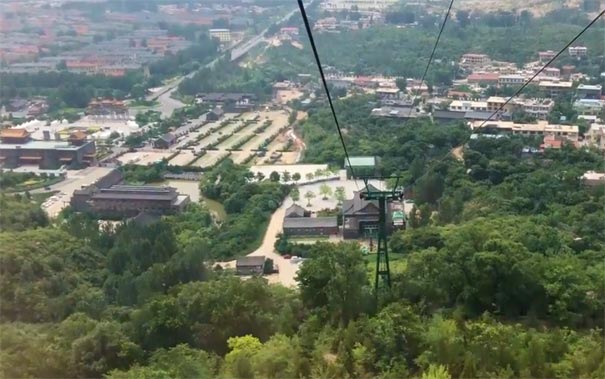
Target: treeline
66,89
185,61
397,142
404,51
225,76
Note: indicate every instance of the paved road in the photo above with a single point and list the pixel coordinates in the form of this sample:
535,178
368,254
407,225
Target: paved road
162,95
75,180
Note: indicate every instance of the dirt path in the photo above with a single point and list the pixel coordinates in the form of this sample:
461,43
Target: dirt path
287,269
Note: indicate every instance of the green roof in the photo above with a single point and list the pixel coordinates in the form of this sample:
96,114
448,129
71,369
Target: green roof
361,162
398,215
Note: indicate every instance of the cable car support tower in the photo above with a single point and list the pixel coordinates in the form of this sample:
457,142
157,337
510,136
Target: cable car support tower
383,270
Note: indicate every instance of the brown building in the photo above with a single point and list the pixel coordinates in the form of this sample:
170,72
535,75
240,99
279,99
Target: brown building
123,200
360,217
165,141
107,107
250,265
17,149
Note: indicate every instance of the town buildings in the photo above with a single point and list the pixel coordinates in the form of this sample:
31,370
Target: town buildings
18,149
541,128
539,108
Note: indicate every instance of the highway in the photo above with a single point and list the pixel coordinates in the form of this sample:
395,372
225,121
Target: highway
167,104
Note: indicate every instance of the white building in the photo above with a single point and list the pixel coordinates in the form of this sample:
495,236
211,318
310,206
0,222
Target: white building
511,80
578,51
596,135
360,5
223,35
468,106
593,178
589,106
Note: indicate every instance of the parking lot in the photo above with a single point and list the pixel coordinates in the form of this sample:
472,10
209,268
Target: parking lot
235,139
143,158
75,180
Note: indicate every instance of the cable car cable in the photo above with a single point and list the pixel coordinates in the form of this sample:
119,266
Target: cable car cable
325,85
447,15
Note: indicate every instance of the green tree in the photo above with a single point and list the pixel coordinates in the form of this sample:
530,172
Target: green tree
286,176
339,194
401,84
296,177
295,194
325,191
274,177
309,195
238,362
335,279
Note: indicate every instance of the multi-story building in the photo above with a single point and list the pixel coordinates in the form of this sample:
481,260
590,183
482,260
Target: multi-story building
539,108
547,55
542,128
589,106
587,91
554,88
468,106
223,35
511,80
360,5
475,60
596,135
17,149
388,93
578,51
130,200
483,78
107,107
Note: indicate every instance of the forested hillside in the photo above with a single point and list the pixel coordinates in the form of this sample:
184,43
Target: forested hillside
501,275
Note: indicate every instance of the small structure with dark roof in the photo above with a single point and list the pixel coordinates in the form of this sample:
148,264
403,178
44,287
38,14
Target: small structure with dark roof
165,141
296,210
251,265
447,116
215,114
360,216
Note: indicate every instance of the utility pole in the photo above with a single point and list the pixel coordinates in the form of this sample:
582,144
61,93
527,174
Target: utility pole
383,271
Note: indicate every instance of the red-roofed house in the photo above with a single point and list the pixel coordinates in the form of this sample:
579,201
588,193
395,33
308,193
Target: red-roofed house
486,78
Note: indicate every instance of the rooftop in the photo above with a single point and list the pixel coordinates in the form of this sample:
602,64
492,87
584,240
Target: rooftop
250,261
41,145
361,161
310,222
